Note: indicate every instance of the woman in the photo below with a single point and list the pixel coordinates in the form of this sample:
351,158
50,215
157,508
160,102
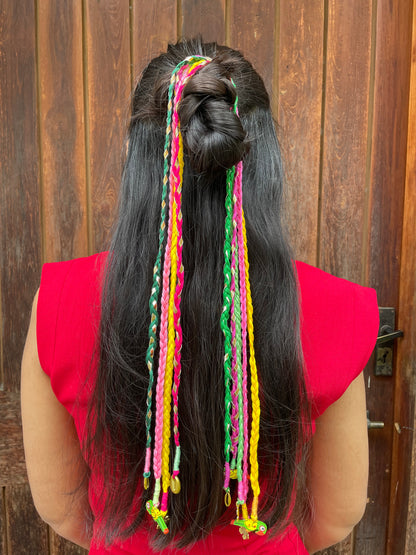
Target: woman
182,379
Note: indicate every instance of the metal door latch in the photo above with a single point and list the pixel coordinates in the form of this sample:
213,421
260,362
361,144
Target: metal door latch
385,341
372,425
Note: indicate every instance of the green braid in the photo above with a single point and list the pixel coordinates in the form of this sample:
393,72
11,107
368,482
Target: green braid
226,311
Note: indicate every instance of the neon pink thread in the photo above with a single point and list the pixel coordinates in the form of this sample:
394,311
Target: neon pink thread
234,375
243,486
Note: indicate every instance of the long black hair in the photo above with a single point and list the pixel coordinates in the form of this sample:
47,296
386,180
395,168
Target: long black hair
214,139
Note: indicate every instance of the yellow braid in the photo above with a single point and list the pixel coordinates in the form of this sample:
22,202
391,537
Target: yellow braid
169,359
255,401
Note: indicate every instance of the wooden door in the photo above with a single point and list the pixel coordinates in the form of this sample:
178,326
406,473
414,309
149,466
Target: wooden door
341,78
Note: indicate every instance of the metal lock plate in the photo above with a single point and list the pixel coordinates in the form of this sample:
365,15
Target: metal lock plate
384,349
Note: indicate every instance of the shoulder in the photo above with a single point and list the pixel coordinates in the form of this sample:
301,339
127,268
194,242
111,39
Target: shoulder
68,312
339,325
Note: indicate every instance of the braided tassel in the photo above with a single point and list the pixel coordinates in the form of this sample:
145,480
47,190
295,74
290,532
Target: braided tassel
154,297
170,329
226,329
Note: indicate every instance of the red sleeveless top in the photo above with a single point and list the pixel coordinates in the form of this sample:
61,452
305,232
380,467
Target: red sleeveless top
339,324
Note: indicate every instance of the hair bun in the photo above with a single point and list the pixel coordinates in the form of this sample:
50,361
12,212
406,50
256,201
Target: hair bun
213,135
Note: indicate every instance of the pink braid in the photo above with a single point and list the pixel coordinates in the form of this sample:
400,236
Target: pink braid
157,455
176,147
234,375
243,486
177,167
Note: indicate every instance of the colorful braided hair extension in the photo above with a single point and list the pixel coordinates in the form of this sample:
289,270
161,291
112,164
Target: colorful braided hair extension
236,323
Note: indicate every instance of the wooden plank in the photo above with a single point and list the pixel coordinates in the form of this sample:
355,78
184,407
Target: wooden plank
108,74
301,29
62,130
344,146
157,21
204,18
20,244
60,546
12,459
3,538
27,533
253,32
388,166
345,138
402,516
411,518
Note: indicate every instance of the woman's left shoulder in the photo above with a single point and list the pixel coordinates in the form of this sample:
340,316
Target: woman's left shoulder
339,326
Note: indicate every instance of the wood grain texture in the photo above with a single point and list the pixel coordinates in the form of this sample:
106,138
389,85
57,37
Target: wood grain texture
60,546
20,245
299,118
204,18
402,517
388,167
108,73
253,32
154,26
12,461
345,138
27,533
3,539
410,546
62,130
391,96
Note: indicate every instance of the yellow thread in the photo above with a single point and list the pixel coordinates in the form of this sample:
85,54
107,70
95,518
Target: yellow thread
169,359
255,401
171,332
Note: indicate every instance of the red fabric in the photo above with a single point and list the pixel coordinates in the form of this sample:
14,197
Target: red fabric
339,323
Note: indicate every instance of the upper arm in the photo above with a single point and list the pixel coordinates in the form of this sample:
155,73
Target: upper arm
338,472
55,466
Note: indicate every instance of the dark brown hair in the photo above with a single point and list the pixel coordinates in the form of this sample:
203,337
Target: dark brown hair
214,139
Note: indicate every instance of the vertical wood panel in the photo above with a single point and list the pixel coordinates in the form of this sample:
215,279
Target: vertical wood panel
26,531
253,31
299,117
402,517
12,461
411,518
3,539
157,22
388,165
205,18
20,245
345,138
62,129
108,69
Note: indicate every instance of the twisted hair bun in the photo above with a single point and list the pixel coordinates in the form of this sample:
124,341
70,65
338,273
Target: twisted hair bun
213,136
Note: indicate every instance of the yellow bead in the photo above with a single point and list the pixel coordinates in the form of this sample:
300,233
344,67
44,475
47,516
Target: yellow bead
175,484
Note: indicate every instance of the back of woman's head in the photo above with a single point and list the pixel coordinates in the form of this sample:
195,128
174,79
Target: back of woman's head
215,138
213,134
